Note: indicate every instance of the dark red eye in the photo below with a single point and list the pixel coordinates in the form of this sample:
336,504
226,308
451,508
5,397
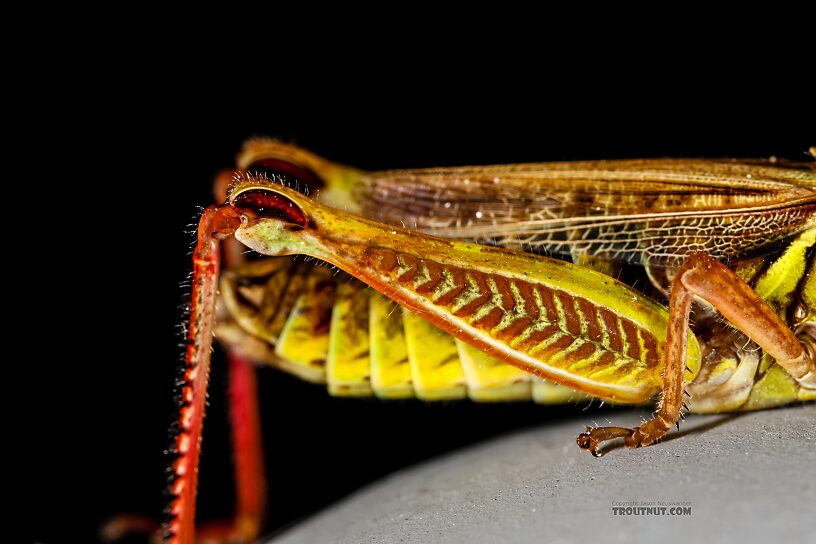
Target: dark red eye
270,204
288,171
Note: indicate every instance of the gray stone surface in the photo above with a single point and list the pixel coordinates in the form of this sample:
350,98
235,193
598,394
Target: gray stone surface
748,478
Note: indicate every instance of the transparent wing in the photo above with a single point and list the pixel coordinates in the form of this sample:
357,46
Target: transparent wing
638,211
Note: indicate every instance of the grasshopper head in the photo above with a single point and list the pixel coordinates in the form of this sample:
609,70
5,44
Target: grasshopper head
323,180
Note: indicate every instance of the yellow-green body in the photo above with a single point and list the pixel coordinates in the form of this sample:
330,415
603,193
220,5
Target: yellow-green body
360,343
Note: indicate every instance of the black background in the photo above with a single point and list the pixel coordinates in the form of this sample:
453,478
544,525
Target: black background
142,152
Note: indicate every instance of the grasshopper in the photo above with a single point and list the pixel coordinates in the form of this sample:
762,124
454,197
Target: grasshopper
501,283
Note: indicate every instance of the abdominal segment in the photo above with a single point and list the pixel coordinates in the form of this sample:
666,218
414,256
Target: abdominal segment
324,326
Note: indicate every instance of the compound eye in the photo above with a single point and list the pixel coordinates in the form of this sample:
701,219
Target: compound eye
301,176
270,205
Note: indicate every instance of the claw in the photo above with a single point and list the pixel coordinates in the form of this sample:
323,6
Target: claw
586,442
592,438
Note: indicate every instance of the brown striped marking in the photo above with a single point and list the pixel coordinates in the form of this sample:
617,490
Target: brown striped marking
610,324
514,329
410,266
537,337
547,351
546,295
630,332
652,358
479,290
456,276
533,321
571,319
583,352
434,274
382,259
489,320
525,293
590,313
508,301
